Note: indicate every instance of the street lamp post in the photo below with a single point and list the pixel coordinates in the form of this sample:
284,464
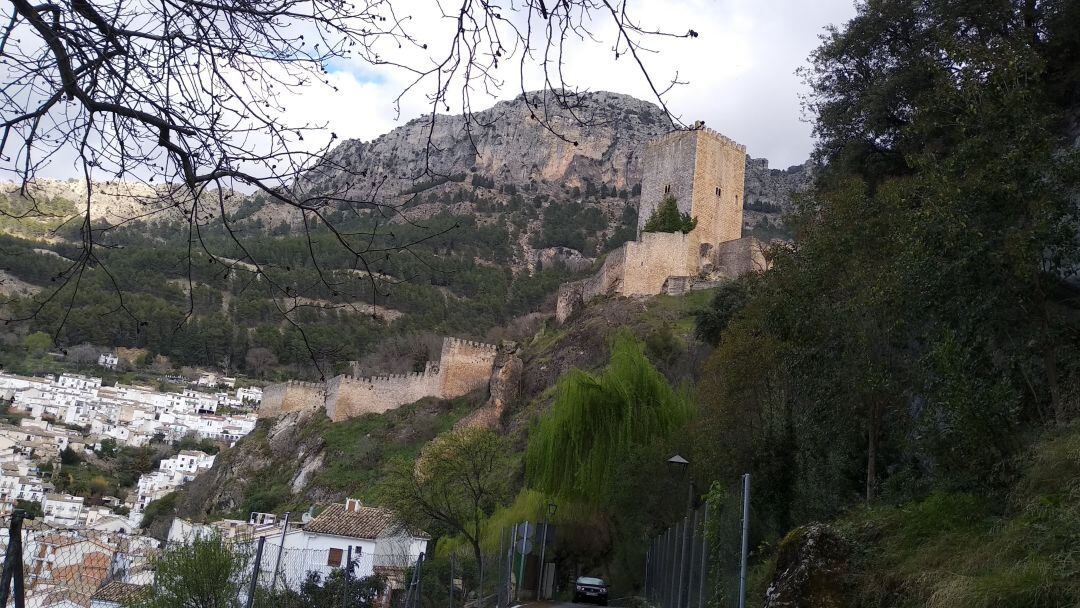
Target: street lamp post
684,464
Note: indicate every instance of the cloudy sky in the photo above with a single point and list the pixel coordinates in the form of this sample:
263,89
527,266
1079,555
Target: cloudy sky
740,71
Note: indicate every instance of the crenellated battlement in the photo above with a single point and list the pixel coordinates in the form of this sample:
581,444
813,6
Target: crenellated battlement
305,384
463,366
458,343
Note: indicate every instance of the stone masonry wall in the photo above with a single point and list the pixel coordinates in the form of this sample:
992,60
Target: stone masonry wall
572,296
735,258
292,396
349,396
654,258
669,162
464,366
720,163
705,172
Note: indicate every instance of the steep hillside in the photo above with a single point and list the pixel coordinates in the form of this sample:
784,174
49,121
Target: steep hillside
302,459
506,213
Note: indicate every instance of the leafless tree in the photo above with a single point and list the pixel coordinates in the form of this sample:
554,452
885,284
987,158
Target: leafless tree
258,360
187,96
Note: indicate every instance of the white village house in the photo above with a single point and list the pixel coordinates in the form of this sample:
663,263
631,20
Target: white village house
379,545
371,536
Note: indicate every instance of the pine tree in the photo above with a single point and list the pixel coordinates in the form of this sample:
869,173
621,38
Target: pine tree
667,218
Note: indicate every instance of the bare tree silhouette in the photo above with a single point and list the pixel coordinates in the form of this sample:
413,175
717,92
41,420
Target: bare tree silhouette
187,96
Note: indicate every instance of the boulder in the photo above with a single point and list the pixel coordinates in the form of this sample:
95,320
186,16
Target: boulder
811,565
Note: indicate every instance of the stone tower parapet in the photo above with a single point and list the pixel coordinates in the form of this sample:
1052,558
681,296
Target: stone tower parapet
705,172
464,366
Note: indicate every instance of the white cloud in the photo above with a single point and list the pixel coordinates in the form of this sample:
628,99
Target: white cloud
740,71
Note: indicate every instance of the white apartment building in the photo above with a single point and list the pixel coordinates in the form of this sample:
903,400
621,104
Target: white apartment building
171,474
250,395
63,510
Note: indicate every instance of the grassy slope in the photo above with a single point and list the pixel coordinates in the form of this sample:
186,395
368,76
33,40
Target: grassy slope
958,550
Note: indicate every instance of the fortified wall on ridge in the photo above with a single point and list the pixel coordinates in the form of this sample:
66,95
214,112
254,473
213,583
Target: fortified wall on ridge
463,367
704,171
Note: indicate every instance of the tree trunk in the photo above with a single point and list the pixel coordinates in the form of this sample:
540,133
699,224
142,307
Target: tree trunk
873,427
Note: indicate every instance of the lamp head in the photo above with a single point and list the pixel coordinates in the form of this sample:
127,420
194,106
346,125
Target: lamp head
678,460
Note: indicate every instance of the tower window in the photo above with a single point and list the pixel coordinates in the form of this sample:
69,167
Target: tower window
718,191
667,189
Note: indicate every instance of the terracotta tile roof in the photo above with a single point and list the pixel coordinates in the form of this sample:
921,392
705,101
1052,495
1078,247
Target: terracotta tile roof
366,522
119,592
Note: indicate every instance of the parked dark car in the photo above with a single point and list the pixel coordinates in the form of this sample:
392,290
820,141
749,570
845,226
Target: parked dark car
590,589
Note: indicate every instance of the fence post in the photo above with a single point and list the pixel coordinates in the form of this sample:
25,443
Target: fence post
500,593
670,578
255,572
345,579
510,566
704,555
647,552
281,549
12,578
745,539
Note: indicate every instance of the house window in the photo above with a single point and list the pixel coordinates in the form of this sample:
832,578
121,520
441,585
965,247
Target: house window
334,558
357,551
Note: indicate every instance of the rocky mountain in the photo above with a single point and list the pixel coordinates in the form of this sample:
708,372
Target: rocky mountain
504,165
600,142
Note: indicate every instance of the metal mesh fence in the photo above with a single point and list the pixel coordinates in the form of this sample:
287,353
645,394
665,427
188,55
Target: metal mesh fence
47,566
700,561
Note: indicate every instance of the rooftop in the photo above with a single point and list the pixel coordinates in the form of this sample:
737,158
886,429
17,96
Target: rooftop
363,522
121,593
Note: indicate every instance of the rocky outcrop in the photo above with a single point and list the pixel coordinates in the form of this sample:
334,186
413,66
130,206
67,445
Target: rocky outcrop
504,389
810,570
599,143
769,193
278,449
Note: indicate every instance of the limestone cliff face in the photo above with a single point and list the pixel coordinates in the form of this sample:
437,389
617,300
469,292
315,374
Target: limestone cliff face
601,143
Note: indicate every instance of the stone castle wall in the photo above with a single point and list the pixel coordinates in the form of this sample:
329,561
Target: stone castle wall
292,396
741,256
721,163
349,396
572,296
463,367
652,259
705,172
692,165
669,162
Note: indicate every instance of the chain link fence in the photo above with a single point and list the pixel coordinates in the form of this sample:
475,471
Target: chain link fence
47,566
701,560
503,577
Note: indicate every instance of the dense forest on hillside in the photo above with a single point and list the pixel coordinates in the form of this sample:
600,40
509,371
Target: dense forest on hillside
311,300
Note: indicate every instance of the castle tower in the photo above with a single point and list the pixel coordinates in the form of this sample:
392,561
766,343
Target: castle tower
704,171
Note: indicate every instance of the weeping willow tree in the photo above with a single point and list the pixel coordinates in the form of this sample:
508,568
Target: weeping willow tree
599,421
